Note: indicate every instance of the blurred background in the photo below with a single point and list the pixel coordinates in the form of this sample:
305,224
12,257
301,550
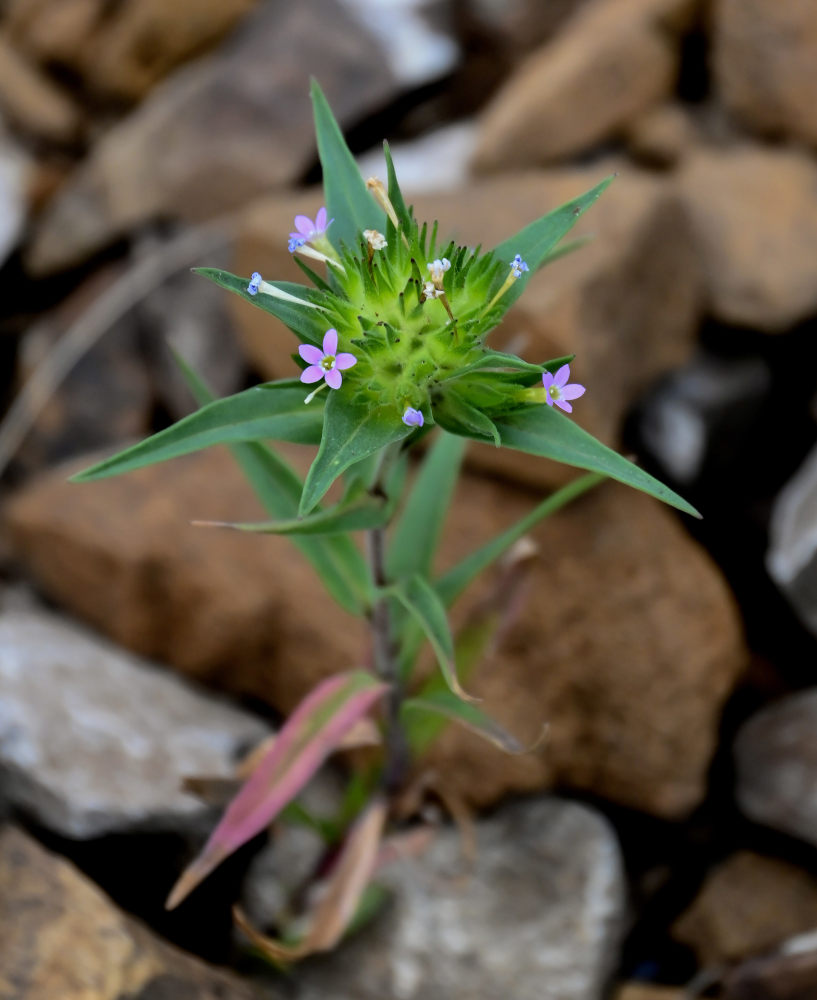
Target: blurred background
663,844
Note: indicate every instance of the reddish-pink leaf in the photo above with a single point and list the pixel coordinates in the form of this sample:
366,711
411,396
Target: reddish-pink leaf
315,729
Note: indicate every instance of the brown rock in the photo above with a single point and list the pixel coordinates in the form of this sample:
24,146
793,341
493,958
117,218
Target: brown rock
748,905
765,65
784,976
611,62
662,135
64,940
53,33
627,304
252,96
648,991
754,218
31,101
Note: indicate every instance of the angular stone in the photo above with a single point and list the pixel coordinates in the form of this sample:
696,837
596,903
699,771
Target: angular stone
31,101
754,218
63,939
132,733
539,918
609,63
776,759
748,905
764,64
790,974
253,94
514,27
792,556
662,136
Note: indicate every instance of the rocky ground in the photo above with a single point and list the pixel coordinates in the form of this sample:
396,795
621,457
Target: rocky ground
663,843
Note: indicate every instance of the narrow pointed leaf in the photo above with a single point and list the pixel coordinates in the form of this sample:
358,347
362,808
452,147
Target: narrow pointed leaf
307,321
347,198
273,410
418,529
395,194
422,602
456,415
352,431
451,708
537,241
337,561
540,430
362,514
315,729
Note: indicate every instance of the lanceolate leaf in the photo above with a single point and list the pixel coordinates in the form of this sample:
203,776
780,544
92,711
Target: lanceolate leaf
307,321
352,431
347,198
454,709
315,729
537,241
540,430
395,194
362,514
422,602
456,415
417,532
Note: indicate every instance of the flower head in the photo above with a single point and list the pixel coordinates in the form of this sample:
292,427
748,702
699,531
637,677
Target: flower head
430,290
307,229
326,363
376,240
518,266
412,417
254,284
437,269
558,391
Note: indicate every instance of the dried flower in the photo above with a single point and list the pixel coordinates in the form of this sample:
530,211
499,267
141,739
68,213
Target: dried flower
254,284
376,240
430,290
437,268
412,417
558,391
326,363
308,229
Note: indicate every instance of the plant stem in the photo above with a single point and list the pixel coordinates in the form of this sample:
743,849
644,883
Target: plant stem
385,662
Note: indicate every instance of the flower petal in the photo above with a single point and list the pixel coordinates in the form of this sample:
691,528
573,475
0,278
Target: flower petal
314,373
564,405
548,399
334,379
304,225
344,361
330,342
573,391
320,220
311,354
562,376
547,379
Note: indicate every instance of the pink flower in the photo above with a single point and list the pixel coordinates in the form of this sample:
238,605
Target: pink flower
326,363
308,230
558,391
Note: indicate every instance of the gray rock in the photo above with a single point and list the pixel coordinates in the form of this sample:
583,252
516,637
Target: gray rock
776,758
94,740
792,555
219,131
539,918
13,209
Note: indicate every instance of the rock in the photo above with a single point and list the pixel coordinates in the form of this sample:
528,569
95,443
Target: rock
788,975
609,64
54,33
63,939
776,759
539,918
135,733
792,556
648,991
754,218
747,905
517,26
218,605
662,136
32,102
14,180
449,148
764,65
162,160
627,304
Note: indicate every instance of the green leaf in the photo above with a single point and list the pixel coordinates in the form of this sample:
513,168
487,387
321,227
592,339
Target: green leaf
352,431
395,194
536,242
361,514
456,415
347,199
421,601
540,430
336,560
308,321
417,532
441,707
273,410
451,584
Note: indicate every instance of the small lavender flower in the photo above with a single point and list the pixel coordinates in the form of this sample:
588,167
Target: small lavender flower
326,363
254,284
412,417
438,268
307,230
518,266
558,391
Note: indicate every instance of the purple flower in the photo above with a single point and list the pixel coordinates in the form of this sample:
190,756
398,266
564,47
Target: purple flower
412,417
326,363
255,281
558,391
307,229
518,266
